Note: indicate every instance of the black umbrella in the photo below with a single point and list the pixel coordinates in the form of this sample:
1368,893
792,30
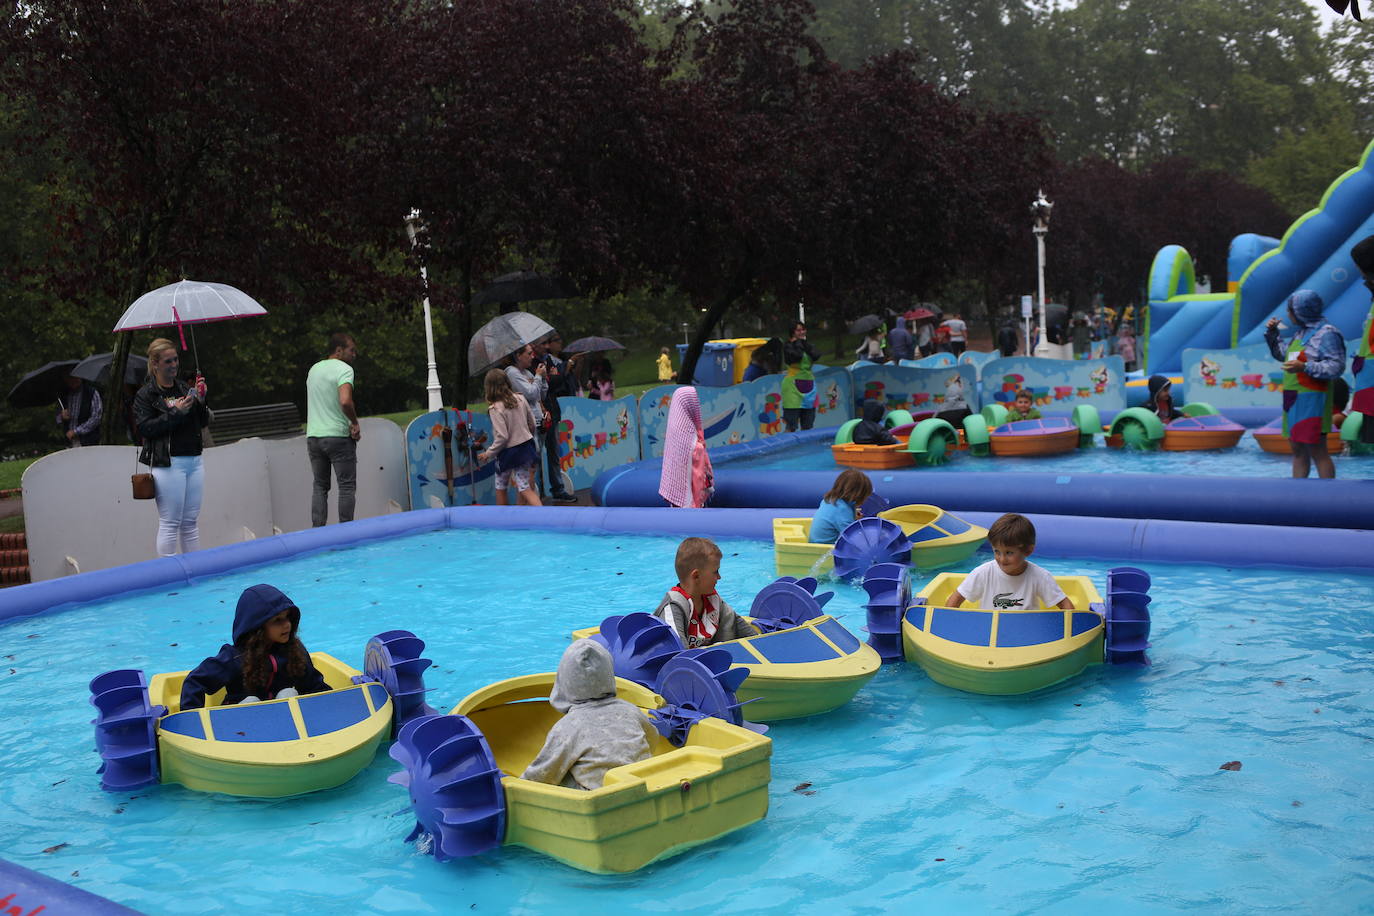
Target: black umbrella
42,386
592,345
524,286
97,369
865,324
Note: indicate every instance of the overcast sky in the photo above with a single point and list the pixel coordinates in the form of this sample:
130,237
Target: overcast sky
1329,15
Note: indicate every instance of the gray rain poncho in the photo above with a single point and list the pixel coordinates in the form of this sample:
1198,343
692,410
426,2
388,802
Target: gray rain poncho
597,731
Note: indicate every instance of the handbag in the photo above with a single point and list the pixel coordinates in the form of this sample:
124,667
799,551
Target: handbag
144,488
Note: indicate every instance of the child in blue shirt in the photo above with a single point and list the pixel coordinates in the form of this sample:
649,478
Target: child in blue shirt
840,506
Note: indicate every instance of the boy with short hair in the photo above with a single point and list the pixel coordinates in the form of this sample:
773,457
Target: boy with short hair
698,615
1022,407
1009,579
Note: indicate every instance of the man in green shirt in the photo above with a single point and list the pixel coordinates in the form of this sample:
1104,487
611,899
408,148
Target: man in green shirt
331,428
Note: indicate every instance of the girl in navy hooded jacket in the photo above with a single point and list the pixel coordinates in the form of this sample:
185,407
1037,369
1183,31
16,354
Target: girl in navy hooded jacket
266,661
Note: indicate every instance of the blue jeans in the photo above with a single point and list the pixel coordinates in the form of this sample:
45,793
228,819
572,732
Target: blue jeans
339,453
180,489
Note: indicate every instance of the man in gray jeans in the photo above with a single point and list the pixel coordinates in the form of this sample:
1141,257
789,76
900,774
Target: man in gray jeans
331,428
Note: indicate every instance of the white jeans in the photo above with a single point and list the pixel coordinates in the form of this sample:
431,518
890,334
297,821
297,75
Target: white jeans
179,491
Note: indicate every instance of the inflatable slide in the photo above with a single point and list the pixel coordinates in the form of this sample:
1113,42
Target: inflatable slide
1313,254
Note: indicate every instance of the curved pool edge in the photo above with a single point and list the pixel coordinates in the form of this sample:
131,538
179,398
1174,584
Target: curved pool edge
1312,503
1117,539
30,892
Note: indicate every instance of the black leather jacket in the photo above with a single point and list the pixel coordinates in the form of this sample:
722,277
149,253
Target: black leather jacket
155,421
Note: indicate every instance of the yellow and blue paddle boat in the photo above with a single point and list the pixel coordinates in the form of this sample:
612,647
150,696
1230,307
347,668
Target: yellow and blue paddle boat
1012,651
804,663
707,776
938,538
266,749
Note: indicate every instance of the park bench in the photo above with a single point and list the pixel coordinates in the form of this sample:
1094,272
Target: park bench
266,421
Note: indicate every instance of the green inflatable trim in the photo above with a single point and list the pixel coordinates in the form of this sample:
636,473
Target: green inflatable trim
1198,409
994,414
1350,426
845,434
920,442
1154,429
1089,423
898,417
976,435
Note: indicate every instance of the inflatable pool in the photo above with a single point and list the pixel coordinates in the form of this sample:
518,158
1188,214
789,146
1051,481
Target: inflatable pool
1013,651
267,749
707,776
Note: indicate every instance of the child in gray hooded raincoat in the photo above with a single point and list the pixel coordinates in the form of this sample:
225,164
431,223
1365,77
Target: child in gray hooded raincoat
597,731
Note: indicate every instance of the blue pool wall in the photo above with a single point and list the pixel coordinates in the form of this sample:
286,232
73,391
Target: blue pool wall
1236,500
1060,535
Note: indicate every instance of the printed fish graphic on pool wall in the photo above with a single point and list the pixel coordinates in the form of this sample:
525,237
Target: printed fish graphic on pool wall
429,469
1057,386
1247,376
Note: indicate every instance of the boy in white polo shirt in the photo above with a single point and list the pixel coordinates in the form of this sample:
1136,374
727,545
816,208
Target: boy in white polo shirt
1009,580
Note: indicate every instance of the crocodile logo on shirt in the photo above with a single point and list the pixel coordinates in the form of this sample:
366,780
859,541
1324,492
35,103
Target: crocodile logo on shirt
1005,600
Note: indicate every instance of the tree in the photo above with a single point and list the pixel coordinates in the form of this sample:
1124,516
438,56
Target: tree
221,142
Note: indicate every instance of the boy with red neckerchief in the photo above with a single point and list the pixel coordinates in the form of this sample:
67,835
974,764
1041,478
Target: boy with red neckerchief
698,615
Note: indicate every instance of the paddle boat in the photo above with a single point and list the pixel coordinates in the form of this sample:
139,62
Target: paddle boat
268,749
804,663
708,774
1012,651
938,538
1042,436
1200,428
1272,438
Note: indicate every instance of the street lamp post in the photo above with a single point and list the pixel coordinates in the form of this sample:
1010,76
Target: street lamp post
415,229
1040,210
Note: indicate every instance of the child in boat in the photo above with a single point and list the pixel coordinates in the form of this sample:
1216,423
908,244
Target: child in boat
266,661
1161,402
870,430
840,506
698,615
1022,409
1010,579
598,731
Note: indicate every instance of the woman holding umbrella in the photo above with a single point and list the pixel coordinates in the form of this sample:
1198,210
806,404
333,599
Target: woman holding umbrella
170,415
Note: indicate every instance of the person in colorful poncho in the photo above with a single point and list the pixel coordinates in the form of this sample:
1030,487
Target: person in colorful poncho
1362,393
1315,357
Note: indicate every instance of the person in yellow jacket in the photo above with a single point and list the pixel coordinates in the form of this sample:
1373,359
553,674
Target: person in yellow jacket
665,366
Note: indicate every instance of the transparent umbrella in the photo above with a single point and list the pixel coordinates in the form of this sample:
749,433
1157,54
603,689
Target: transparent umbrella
188,302
502,336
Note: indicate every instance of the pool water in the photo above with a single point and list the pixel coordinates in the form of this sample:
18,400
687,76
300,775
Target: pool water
1102,792
1247,459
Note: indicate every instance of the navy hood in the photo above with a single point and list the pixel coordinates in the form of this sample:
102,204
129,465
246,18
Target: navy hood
1158,383
873,411
1306,306
259,604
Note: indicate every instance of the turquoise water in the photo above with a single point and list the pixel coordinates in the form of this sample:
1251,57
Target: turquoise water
1245,460
1103,792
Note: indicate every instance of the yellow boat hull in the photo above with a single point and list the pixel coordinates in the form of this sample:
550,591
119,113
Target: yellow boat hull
276,748
1000,651
676,799
938,539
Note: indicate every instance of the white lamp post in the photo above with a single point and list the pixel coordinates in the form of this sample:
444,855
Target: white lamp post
1040,210
415,227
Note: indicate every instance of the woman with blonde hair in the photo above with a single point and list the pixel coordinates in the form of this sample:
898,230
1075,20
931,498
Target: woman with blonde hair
512,440
170,415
